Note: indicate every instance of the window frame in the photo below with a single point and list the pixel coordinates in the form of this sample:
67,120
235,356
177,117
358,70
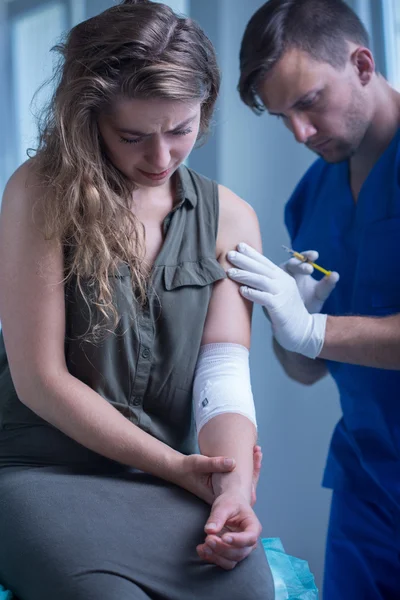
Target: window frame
389,34
10,11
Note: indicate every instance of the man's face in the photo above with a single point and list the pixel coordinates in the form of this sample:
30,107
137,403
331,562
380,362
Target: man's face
325,108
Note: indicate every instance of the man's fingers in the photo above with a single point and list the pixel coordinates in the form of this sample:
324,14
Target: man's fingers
259,282
334,278
247,250
312,255
294,266
252,261
324,287
263,298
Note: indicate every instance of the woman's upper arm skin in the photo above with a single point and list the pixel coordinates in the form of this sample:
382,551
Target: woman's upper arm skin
32,309
229,314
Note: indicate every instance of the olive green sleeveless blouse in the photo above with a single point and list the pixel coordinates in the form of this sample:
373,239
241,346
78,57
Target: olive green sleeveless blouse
145,368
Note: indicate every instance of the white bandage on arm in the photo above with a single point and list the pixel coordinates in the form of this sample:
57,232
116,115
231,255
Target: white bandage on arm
222,383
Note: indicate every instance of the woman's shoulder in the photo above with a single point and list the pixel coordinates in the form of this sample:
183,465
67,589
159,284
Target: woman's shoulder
22,215
234,211
22,192
26,171
238,222
24,182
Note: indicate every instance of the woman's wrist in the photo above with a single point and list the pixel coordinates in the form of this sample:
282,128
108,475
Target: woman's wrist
174,466
231,483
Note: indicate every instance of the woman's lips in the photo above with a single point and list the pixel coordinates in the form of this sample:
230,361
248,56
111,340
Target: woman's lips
155,176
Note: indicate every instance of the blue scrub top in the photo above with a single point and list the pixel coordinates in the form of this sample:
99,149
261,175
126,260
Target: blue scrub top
361,241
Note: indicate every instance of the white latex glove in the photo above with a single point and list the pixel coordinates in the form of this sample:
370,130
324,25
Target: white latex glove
314,293
267,284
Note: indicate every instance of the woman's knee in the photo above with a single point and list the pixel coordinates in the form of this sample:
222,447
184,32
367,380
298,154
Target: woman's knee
253,578
94,585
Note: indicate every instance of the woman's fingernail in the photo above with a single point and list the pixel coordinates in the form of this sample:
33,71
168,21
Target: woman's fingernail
242,247
232,272
228,462
231,254
212,543
211,526
207,551
228,540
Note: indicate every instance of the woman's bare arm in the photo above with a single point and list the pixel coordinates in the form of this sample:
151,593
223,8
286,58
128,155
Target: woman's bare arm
229,321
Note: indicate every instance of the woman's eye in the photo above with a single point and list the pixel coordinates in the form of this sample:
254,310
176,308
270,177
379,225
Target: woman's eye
138,140
130,141
182,132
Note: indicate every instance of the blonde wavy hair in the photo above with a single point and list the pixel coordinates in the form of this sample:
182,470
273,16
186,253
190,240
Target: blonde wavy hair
136,49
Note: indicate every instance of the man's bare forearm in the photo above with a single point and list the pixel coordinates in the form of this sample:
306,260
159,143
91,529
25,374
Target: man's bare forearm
366,341
298,367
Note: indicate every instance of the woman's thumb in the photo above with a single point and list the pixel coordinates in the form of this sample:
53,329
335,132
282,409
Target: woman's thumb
214,464
217,519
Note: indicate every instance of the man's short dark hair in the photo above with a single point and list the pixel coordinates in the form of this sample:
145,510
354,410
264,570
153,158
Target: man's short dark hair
319,27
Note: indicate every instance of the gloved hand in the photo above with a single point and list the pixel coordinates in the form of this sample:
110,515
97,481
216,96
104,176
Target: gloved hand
293,326
314,293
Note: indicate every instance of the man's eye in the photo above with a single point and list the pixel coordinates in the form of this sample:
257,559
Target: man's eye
308,102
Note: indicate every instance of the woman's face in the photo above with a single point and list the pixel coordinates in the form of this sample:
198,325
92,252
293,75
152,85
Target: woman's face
147,139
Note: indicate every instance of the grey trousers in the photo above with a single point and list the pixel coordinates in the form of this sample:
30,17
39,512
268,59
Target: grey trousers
78,534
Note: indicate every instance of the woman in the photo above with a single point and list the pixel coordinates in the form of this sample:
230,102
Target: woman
109,248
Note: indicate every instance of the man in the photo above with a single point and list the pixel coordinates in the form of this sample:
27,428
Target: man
308,62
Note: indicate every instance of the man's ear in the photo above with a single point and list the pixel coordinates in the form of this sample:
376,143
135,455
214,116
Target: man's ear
363,61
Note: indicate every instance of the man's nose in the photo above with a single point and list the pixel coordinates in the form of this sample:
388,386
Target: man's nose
302,128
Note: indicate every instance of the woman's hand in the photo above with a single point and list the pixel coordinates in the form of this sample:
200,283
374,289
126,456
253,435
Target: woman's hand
196,471
232,531
257,460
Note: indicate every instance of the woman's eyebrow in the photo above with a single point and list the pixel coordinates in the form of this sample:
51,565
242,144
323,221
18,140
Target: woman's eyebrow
143,134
